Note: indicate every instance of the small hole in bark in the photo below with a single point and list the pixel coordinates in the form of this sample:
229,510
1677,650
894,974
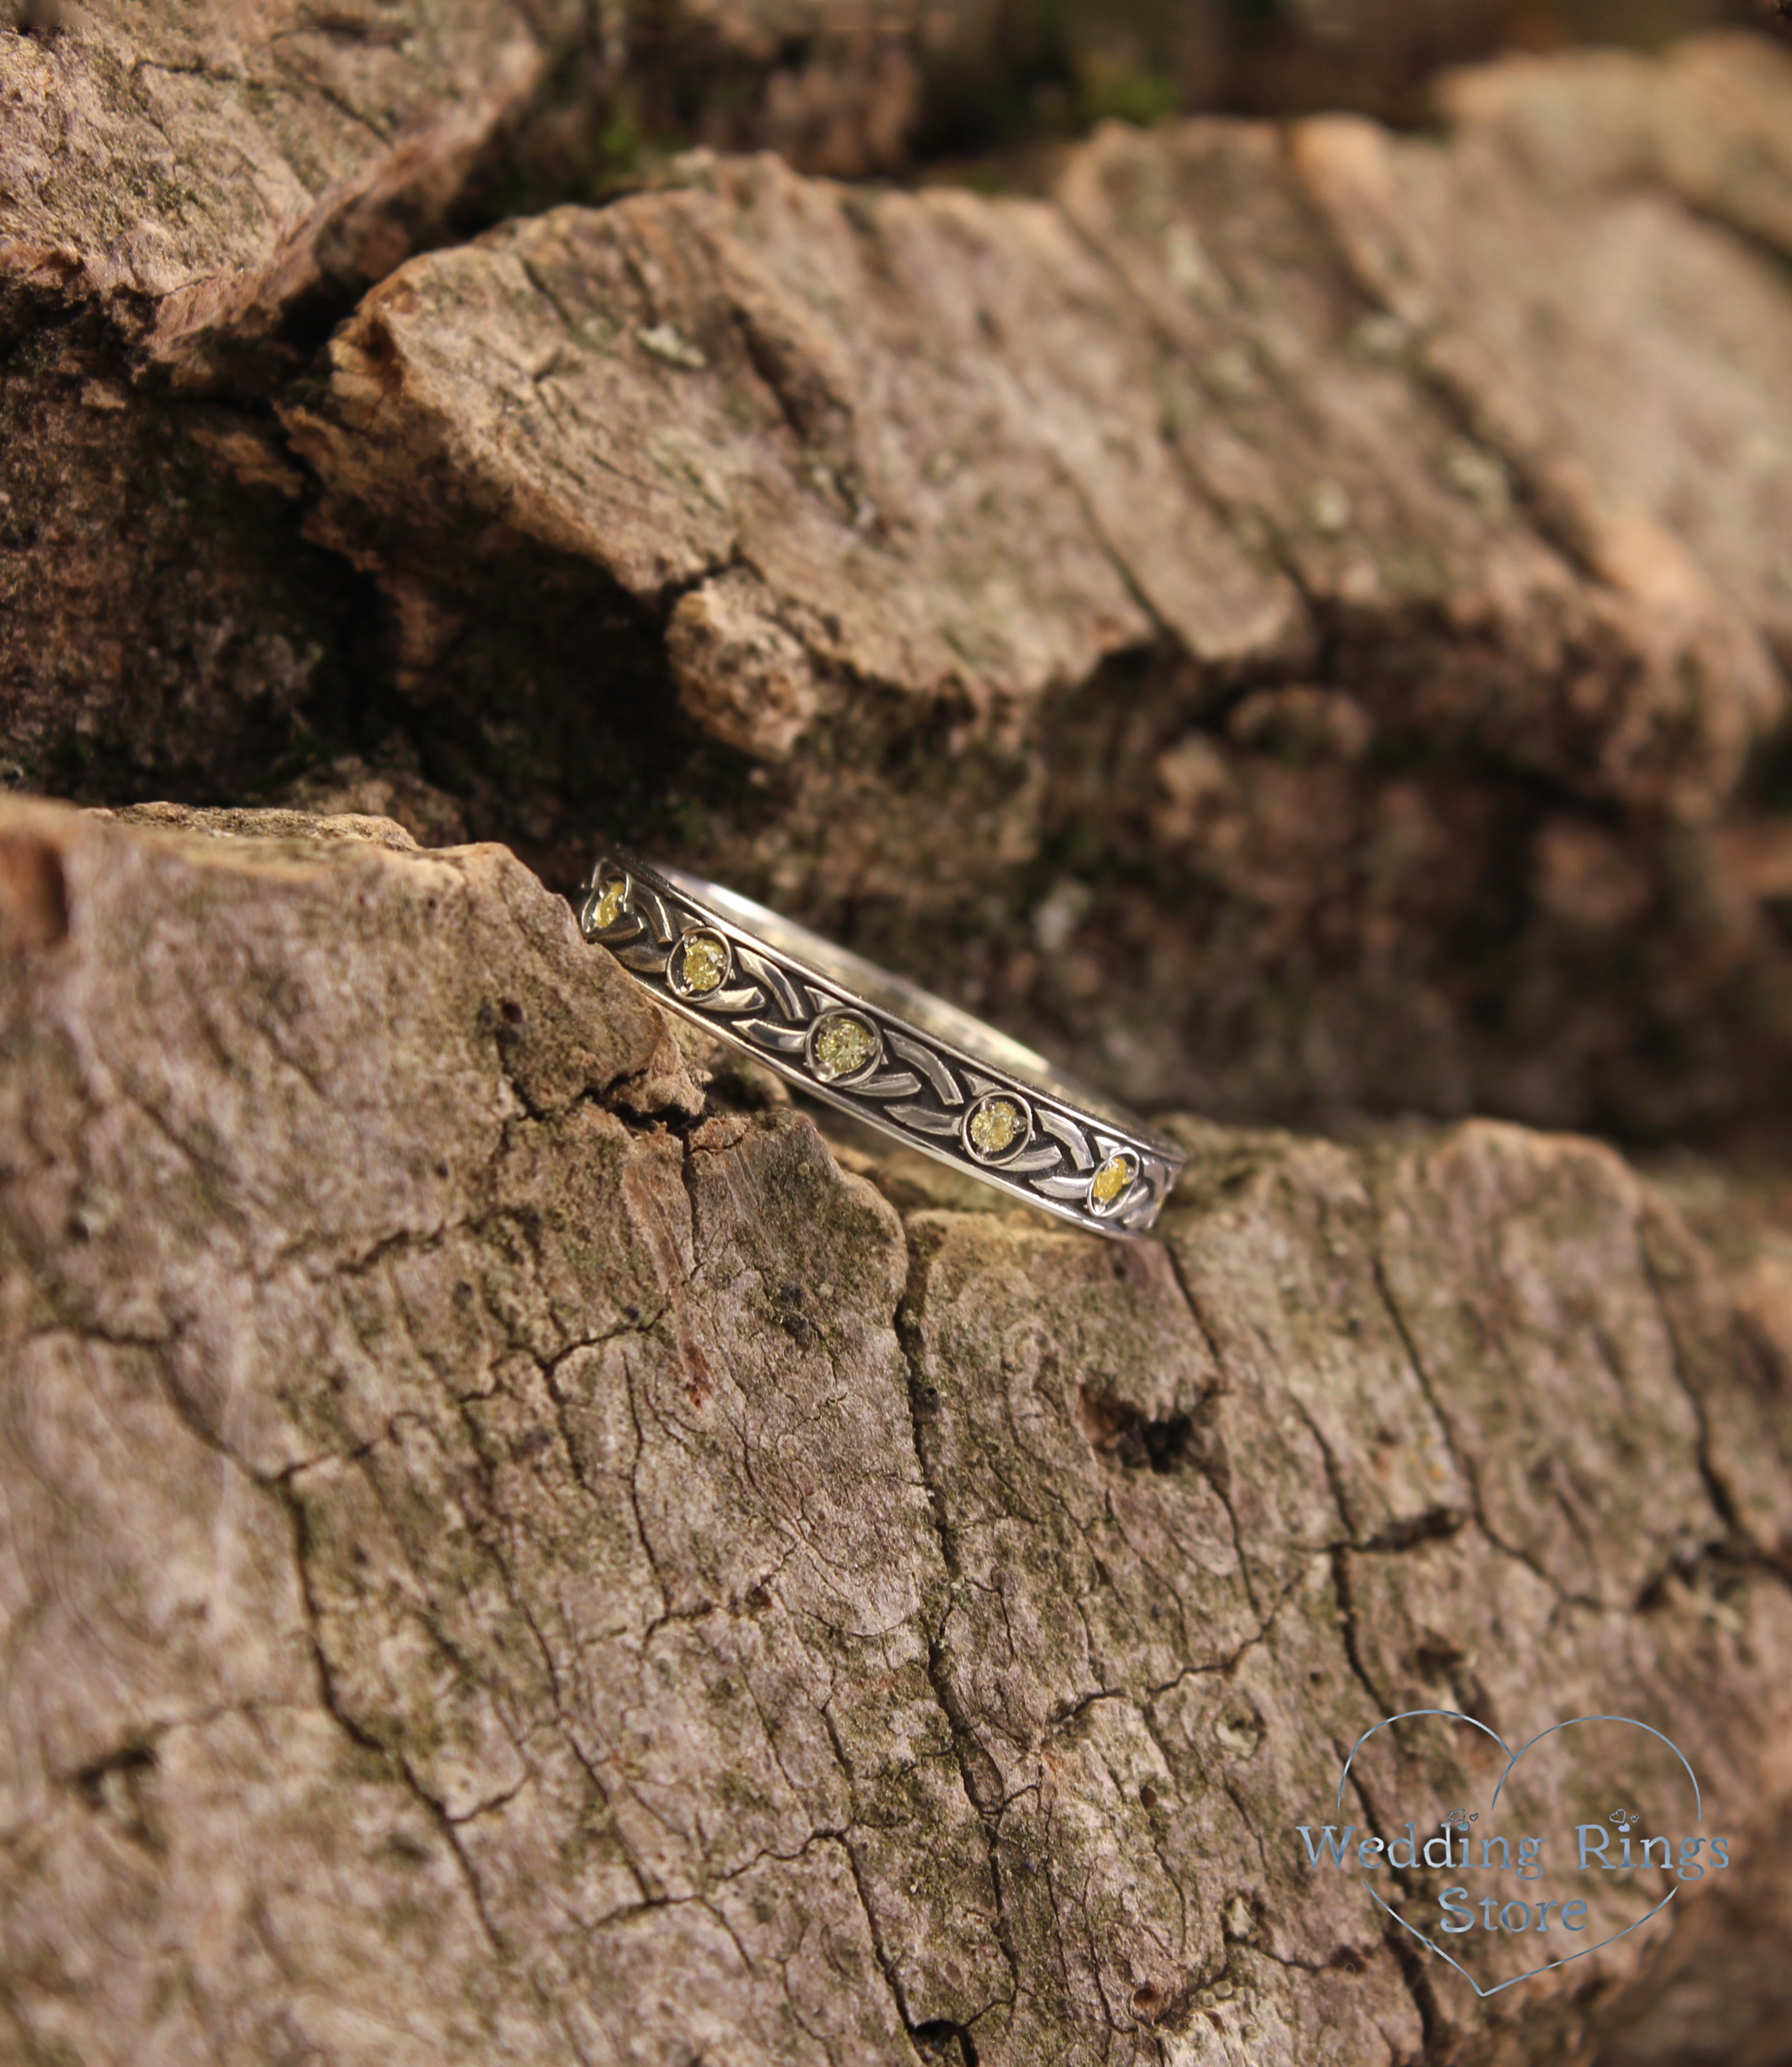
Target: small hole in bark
92,1781
1148,2002
1432,1526
512,1012
1166,1442
946,2040
1433,1661
1123,1431
1148,1796
380,350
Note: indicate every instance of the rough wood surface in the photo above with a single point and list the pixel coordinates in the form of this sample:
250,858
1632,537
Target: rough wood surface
1295,615
185,191
505,1558
519,1544
1342,570
959,452
275,152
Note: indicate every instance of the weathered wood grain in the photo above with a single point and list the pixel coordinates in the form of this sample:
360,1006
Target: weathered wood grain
191,173
505,1558
1293,613
1339,569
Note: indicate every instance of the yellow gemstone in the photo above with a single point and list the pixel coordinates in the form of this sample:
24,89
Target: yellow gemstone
702,963
1111,1179
995,1126
842,1047
609,905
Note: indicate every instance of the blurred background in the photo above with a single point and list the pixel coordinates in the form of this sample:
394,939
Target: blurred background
967,86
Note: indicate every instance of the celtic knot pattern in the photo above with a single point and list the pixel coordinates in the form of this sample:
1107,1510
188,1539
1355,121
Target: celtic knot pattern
870,1061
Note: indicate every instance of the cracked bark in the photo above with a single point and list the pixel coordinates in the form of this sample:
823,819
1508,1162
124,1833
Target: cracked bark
508,1556
1340,569
518,1544
1294,613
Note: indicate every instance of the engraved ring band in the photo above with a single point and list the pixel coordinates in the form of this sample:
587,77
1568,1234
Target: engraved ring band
878,1047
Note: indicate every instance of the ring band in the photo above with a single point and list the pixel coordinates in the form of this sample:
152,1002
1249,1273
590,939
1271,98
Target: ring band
878,1047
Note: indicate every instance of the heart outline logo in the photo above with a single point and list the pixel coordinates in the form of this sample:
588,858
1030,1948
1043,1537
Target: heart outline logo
1512,1759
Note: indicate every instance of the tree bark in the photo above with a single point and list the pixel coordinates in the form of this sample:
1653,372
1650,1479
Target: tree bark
508,1558
1342,568
1256,502
520,1543
194,194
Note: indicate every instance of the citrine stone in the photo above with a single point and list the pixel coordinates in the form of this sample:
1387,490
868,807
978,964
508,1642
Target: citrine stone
996,1127
608,907
844,1045
1111,1179
702,963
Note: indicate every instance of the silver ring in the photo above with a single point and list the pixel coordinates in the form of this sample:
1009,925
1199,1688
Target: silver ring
878,1047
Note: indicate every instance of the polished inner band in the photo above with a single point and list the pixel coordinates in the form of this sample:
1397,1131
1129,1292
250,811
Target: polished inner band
879,1047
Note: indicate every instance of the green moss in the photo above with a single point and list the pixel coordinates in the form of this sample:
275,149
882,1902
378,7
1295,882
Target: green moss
1140,97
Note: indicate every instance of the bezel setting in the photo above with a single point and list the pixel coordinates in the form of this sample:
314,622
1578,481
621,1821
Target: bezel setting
994,1159
1105,1209
818,1069
678,962
605,903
